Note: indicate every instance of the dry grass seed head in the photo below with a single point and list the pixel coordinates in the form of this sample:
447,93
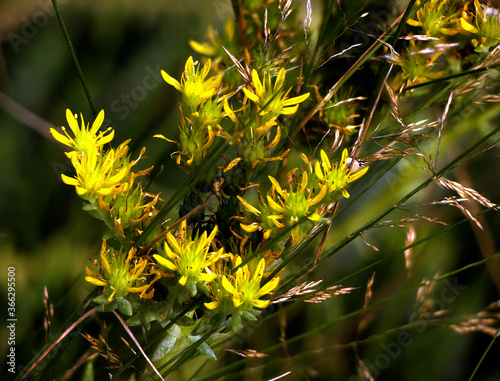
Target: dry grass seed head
101,346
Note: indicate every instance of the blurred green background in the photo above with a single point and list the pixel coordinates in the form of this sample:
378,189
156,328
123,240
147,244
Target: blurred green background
44,234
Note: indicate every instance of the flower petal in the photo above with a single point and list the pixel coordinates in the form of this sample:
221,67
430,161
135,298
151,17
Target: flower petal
165,262
171,81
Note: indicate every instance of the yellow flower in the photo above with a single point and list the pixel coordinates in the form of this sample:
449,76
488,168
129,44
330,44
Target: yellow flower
244,288
417,66
336,177
271,100
284,207
86,139
193,86
436,17
295,203
190,258
122,273
99,174
214,47
485,24
255,140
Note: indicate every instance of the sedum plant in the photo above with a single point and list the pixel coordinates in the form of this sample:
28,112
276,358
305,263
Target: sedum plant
270,150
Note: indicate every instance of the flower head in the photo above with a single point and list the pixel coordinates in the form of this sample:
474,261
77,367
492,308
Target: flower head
194,87
122,273
340,111
129,208
336,177
285,207
190,258
85,139
436,17
485,24
98,173
273,101
243,288
196,134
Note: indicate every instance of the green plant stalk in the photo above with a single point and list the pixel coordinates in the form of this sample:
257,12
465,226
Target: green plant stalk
324,327
484,354
438,174
74,57
179,195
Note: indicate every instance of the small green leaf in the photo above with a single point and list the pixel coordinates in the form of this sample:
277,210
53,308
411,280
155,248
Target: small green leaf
111,306
89,207
248,316
161,310
217,321
202,287
185,321
164,347
101,299
203,348
236,322
146,320
134,320
104,297
124,306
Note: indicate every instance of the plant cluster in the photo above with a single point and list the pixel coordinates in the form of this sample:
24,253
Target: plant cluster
269,148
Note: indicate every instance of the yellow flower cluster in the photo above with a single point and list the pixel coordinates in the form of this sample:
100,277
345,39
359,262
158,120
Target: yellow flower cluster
304,199
447,26
122,274
218,253
104,177
483,23
254,127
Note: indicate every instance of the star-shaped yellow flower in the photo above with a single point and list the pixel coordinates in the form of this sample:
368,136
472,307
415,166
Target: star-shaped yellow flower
244,287
273,101
337,176
190,257
98,174
122,273
85,139
194,87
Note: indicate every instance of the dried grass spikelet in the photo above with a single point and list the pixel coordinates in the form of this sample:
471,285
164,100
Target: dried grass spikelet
424,303
329,292
298,293
486,321
411,236
247,352
365,317
102,347
466,194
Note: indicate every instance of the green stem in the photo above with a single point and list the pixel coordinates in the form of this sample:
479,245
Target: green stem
74,57
442,79
484,354
424,185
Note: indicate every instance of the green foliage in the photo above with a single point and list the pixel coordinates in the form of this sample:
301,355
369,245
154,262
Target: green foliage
313,156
